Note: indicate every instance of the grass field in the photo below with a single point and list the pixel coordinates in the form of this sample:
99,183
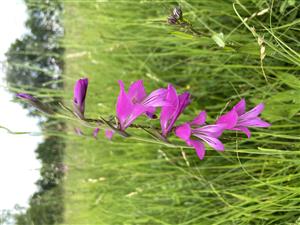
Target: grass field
124,181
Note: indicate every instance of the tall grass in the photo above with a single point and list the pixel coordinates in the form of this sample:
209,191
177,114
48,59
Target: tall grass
255,181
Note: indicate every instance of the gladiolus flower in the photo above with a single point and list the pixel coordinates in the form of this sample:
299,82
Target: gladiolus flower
133,104
80,90
171,111
195,134
238,119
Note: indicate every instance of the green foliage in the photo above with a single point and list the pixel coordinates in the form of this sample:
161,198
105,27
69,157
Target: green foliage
45,208
34,62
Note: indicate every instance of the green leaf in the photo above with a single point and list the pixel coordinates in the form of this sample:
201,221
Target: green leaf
281,106
182,35
219,39
280,111
290,96
289,79
291,2
250,48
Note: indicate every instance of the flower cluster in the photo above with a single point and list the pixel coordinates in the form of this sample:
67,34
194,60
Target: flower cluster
135,103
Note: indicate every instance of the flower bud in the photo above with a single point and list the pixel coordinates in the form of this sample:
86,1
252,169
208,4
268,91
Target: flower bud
172,20
177,13
35,103
80,90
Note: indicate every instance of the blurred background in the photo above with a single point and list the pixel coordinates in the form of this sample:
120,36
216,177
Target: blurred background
30,164
232,49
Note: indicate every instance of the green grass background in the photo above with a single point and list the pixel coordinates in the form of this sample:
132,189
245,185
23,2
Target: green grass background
255,181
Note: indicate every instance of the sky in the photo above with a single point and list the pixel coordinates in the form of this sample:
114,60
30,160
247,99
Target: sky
19,168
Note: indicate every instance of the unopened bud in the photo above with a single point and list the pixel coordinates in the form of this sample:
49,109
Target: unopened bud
176,16
35,103
172,20
177,13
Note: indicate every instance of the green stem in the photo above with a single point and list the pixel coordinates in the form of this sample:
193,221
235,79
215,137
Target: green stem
100,122
186,23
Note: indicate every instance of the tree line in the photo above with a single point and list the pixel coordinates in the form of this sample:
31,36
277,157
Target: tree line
35,65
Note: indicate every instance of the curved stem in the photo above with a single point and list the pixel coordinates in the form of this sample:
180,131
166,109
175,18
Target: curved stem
186,23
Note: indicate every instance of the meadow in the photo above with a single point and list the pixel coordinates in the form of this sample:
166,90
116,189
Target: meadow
129,181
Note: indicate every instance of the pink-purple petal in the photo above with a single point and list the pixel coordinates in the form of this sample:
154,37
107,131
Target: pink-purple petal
245,130
172,110
240,107
229,119
136,112
156,98
183,131
109,134
169,110
211,141
124,106
136,91
253,112
184,101
215,130
200,119
95,132
254,122
199,147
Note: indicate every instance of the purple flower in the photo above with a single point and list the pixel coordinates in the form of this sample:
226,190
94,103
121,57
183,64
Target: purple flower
109,134
133,104
238,119
95,132
80,90
36,103
171,111
195,134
